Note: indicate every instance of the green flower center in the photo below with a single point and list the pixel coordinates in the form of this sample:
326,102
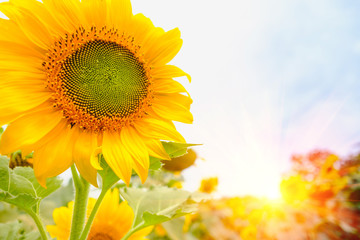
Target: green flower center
104,79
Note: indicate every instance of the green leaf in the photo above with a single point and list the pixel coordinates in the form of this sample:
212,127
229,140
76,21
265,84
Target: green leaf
10,231
8,212
177,149
59,198
32,236
159,204
155,164
16,231
20,187
63,195
174,228
108,177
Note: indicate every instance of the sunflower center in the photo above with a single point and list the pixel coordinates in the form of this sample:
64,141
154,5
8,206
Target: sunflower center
99,78
104,79
101,236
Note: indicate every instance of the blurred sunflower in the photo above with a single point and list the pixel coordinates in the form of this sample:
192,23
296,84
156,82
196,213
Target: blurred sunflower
208,185
294,189
180,163
113,220
79,77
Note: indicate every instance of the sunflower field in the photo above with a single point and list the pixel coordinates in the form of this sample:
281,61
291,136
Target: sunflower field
91,108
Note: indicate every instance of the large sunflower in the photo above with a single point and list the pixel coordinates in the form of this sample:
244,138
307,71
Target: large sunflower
78,77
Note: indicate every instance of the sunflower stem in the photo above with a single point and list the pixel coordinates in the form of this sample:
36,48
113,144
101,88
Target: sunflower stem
82,188
76,178
90,220
39,224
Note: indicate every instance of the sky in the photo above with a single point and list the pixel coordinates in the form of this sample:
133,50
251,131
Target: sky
269,79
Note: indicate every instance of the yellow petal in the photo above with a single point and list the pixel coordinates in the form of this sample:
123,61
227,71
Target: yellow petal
32,27
62,217
158,129
94,160
117,156
42,13
94,17
16,80
120,13
83,149
108,205
134,144
68,13
159,39
142,29
15,100
55,156
141,234
173,107
123,217
9,49
165,48
169,71
156,149
29,129
145,33
16,35
168,86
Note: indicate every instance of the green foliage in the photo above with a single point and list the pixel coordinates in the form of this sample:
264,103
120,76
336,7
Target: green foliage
8,212
59,198
155,164
10,231
159,204
174,228
62,196
177,149
15,231
20,187
32,236
108,177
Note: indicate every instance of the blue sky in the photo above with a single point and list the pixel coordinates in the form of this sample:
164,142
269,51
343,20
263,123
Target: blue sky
270,78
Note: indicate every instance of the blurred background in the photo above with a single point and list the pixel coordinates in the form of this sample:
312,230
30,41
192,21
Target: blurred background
269,79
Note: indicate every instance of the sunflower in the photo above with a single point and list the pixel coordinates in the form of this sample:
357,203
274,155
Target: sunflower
83,77
208,185
112,221
181,163
294,189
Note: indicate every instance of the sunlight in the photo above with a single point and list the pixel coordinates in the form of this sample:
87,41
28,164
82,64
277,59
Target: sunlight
273,194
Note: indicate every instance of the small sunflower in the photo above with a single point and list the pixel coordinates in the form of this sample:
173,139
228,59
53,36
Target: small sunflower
209,185
181,163
113,220
294,189
83,77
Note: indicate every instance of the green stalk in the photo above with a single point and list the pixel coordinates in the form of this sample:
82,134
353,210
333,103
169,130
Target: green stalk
39,224
87,228
82,188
